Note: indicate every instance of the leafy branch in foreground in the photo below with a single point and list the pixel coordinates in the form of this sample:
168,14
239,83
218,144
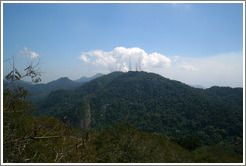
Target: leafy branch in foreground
31,71
30,139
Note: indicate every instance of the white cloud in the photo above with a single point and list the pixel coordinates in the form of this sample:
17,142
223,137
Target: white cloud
186,6
175,58
26,52
222,69
33,55
188,66
120,58
157,60
84,59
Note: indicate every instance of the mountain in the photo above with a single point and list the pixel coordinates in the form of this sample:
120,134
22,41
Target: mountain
173,122
198,86
87,79
38,91
227,94
152,103
61,83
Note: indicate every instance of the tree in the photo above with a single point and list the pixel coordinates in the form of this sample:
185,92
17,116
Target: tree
16,113
35,139
31,71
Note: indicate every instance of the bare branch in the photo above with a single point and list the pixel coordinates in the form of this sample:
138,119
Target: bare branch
55,136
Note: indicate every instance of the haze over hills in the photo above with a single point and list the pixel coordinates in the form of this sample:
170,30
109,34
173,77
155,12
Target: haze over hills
86,79
152,103
198,86
38,91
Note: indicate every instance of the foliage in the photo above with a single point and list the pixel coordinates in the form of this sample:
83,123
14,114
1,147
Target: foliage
46,139
153,104
227,94
39,91
30,71
188,143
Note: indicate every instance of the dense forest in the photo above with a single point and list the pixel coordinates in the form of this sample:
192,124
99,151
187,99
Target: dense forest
125,117
38,91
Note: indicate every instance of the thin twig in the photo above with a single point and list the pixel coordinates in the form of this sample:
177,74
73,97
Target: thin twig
56,136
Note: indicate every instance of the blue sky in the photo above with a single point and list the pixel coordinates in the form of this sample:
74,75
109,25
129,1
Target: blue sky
193,43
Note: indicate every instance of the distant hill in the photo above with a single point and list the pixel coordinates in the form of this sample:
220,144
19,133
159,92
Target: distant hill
227,94
152,103
87,79
198,86
39,91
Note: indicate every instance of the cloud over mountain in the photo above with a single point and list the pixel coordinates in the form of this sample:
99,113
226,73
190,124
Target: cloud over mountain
220,69
124,59
187,66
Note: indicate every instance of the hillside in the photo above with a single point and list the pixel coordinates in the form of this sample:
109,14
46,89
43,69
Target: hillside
46,139
152,103
227,94
39,91
87,79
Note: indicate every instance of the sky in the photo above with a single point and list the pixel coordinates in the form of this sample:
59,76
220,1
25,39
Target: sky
195,43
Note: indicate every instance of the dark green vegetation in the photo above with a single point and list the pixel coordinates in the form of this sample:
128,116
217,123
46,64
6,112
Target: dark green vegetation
87,79
153,104
38,91
167,121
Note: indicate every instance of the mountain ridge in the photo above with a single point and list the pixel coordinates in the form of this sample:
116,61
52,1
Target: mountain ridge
87,79
152,103
40,90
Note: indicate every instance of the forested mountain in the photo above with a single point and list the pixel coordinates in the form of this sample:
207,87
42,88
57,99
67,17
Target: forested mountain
38,91
153,104
227,94
198,86
125,117
87,79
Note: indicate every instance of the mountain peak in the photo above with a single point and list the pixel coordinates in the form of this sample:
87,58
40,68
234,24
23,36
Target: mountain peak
87,79
63,79
153,103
